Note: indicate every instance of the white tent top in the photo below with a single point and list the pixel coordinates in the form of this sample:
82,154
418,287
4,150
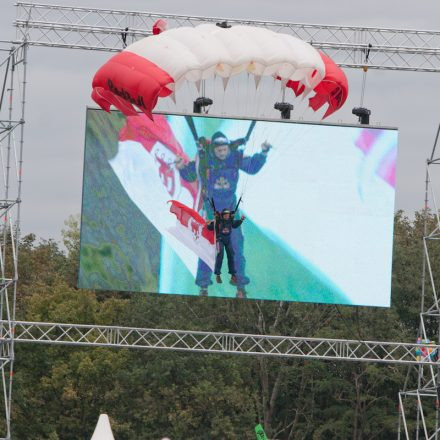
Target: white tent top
103,431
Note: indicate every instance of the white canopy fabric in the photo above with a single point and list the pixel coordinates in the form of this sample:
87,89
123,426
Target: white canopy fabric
103,431
196,53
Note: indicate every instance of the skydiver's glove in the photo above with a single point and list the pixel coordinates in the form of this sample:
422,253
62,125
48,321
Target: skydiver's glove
179,162
265,147
202,143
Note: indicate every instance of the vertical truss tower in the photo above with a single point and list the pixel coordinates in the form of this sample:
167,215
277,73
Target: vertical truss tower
422,405
12,107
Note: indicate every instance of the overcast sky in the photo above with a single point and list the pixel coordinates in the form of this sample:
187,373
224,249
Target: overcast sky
60,84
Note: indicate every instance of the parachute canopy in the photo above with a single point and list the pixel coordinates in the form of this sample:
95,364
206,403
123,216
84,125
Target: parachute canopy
333,89
156,66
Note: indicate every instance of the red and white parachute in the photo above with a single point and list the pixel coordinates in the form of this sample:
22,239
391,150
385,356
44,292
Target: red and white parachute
158,65
333,89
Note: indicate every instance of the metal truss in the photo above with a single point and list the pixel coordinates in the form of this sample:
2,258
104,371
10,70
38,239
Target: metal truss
215,342
101,29
427,392
12,108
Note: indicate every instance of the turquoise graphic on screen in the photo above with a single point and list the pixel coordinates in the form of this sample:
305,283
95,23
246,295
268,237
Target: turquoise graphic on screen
318,202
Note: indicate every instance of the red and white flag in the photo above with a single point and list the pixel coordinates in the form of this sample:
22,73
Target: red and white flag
145,167
191,230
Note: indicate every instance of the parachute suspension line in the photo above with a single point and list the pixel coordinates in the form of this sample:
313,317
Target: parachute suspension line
124,37
249,136
244,96
202,102
246,91
295,135
234,103
263,135
190,93
236,97
252,91
249,92
305,110
259,99
204,93
239,98
283,107
362,112
255,99
239,80
266,95
273,89
214,92
364,73
364,82
225,90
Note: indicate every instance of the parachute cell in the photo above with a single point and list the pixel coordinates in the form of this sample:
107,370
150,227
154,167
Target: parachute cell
128,79
333,89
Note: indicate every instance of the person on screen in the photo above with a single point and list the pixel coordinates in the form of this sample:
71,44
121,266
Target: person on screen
217,167
224,224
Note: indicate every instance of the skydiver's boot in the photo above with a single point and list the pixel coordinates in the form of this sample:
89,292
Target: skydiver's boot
203,291
241,292
218,278
233,280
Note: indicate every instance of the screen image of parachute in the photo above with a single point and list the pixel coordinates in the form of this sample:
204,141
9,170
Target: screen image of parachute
223,207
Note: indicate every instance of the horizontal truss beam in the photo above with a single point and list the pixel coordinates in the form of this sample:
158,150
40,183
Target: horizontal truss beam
212,342
100,29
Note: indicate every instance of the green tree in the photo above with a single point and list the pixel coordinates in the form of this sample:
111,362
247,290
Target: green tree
60,391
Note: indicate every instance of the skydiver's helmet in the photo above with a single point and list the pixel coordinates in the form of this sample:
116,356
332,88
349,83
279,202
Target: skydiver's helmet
218,138
225,211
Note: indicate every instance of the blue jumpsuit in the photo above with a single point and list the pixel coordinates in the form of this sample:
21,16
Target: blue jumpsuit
219,180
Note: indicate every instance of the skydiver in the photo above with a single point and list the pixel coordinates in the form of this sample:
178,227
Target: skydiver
224,224
217,168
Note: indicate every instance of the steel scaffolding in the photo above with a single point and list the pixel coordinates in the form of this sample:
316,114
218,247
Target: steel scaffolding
428,379
102,29
12,111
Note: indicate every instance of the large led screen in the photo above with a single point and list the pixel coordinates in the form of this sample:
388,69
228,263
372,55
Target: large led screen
310,208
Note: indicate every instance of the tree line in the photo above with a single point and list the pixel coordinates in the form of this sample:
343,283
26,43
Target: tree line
60,391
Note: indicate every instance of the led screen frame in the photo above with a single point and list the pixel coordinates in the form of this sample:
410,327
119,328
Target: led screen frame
127,252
